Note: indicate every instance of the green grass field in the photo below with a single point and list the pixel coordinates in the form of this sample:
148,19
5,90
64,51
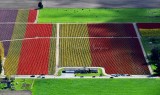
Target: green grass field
96,86
79,15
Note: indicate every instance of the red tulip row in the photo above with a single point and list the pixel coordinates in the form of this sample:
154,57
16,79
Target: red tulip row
32,16
148,25
111,30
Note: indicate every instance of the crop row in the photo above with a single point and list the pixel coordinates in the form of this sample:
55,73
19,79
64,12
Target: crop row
52,56
52,52
150,32
1,51
32,16
148,25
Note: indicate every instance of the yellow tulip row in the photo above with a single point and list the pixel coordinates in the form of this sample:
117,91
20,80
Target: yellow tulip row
52,55
1,51
150,32
22,16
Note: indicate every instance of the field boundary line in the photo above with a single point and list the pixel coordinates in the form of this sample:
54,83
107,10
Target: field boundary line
57,50
59,38
27,39
66,23
36,20
94,23
98,37
24,23
144,53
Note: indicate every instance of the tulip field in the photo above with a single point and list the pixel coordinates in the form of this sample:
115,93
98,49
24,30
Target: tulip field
115,47
112,46
39,50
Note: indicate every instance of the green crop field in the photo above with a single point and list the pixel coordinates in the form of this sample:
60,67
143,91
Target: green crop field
96,86
79,15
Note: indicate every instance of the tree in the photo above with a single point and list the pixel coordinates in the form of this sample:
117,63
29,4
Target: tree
40,5
158,68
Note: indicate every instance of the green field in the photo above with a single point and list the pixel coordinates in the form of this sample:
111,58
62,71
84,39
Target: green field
79,15
96,86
